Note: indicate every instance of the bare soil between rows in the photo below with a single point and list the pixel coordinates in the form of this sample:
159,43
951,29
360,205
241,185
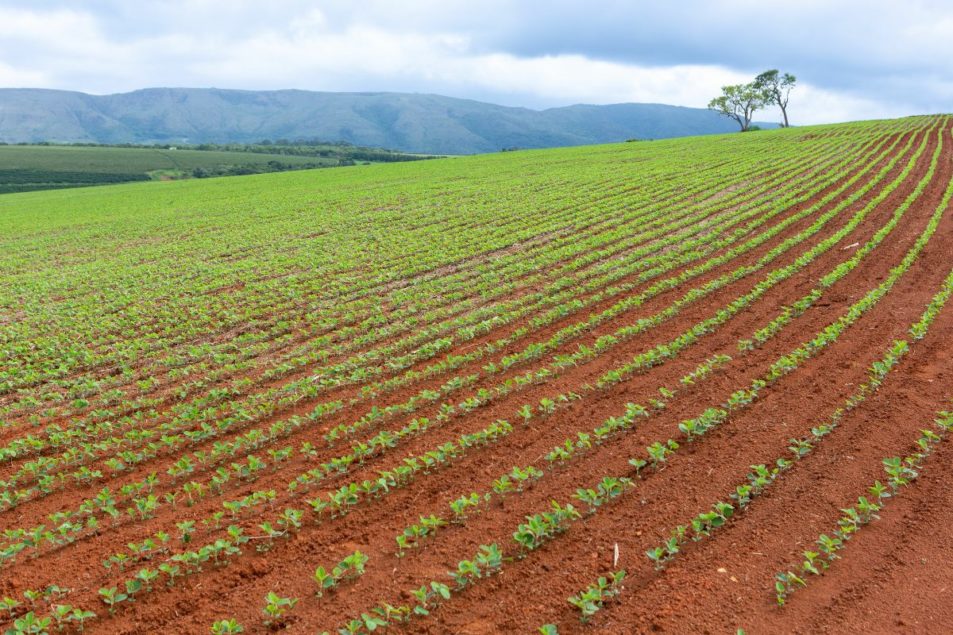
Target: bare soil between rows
894,577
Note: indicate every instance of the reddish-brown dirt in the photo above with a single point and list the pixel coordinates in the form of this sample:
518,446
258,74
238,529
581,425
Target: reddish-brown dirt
893,576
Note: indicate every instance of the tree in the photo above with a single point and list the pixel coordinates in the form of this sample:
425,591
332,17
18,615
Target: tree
777,88
739,102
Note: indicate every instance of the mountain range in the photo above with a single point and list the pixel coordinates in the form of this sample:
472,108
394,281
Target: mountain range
409,122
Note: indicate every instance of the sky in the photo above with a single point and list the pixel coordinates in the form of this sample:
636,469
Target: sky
854,59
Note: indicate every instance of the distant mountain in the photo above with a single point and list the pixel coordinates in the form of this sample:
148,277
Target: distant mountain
401,121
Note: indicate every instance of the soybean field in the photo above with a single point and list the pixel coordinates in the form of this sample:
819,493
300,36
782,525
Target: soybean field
690,385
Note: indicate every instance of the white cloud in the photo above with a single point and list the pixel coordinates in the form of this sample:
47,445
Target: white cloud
20,23
10,76
575,79
313,20
425,47
811,105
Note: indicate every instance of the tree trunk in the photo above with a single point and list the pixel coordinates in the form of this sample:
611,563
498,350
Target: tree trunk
784,111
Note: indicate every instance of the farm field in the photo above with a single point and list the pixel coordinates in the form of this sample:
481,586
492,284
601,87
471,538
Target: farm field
25,168
620,388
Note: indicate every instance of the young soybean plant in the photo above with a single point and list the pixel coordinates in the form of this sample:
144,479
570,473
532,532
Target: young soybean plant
80,616
30,624
430,597
349,568
9,605
275,608
466,505
413,535
592,599
111,597
486,563
227,627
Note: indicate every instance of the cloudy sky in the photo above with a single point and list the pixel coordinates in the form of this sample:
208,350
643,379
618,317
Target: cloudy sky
854,59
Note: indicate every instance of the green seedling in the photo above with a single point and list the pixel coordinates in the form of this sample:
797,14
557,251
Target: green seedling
111,597
592,599
227,627
429,597
276,607
30,624
9,605
784,584
348,568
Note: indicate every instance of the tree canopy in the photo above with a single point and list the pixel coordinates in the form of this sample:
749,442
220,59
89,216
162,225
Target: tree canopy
739,102
776,89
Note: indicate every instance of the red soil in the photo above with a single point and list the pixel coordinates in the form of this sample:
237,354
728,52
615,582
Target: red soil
894,576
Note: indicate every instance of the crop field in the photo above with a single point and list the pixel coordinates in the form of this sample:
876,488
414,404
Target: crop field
25,168
693,385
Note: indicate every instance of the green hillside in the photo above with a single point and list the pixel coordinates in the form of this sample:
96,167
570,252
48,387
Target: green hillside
429,124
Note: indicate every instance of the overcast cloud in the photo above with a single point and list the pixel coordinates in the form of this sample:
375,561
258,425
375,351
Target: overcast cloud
854,59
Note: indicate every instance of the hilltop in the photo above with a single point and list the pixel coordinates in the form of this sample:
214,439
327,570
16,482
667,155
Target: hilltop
431,124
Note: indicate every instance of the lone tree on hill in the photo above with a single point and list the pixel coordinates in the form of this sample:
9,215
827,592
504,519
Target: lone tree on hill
777,89
739,102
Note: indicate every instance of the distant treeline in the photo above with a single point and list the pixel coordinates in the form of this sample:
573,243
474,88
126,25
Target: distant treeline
27,180
294,147
314,148
261,168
